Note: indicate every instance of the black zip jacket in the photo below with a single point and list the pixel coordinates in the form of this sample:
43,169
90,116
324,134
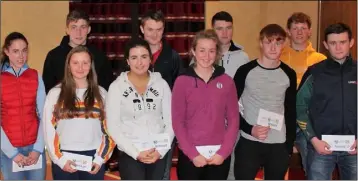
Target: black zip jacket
54,65
168,64
327,99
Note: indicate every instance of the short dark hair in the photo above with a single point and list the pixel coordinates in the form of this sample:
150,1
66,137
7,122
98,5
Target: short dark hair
154,15
337,28
273,31
299,17
76,15
136,42
222,15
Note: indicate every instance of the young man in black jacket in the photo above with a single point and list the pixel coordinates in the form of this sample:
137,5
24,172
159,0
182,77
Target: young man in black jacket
327,108
166,60
77,29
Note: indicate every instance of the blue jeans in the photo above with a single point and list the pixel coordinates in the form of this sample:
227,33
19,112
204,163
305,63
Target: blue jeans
301,144
320,167
6,167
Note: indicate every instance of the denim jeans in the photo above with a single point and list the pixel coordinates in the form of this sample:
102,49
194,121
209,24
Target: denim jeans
320,167
6,167
301,144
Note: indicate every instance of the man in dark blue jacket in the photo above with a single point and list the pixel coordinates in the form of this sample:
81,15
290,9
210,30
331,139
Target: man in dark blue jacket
327,108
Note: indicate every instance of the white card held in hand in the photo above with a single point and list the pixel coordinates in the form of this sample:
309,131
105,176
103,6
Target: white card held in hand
208,151
38,165
339,142
143,144
161,141
82,162
271,119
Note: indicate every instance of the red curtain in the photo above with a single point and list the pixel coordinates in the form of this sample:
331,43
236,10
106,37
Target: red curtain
114,22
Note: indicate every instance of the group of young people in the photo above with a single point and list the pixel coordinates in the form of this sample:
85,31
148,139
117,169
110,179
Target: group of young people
229,116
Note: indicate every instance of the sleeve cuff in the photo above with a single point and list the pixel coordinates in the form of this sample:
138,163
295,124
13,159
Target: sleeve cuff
134,155
37,150
13,155
98,160
62,162
191,156
221,152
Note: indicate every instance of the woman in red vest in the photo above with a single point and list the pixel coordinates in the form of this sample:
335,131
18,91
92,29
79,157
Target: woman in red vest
22,100
74,121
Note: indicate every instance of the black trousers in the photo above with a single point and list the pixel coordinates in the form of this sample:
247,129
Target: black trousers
186,169
131,169
251,155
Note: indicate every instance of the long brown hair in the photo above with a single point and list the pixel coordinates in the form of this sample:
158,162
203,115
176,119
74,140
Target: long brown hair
7,43
68,105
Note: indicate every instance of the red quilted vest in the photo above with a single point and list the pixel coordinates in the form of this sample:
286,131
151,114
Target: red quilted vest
18,107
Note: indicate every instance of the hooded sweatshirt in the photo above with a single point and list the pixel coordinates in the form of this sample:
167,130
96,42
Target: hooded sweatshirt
200,111
54,65
132,116
300,60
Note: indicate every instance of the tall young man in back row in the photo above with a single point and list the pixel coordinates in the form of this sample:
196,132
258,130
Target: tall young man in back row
299,55
77,29
166,60
233,54
327,108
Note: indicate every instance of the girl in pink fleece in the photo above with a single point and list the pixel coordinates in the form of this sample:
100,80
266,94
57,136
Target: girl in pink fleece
205,113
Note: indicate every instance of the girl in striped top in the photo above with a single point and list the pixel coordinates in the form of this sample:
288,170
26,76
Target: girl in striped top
74,120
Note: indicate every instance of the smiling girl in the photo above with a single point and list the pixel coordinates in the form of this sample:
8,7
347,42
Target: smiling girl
22,99
138,111
205,113
75,120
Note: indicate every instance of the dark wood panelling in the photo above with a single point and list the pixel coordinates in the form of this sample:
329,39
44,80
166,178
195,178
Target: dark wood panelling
338,11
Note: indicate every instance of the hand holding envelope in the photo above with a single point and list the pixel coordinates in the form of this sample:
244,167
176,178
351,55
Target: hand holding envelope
321,146
149,145
18,168
270,119
208,153
216,160
354,148
340,142
200,161
260,132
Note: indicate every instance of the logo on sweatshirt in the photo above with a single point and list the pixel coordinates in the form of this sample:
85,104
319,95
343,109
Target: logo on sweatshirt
219,85
352,82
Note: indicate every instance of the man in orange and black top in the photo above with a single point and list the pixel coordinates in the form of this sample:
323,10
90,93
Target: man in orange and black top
166,60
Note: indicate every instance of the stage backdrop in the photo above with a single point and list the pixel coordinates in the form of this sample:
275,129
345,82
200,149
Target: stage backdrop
115,22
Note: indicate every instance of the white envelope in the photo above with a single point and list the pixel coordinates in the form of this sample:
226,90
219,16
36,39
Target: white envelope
83,163
339,142
208,151
143,144
271,119
161,141
38,165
